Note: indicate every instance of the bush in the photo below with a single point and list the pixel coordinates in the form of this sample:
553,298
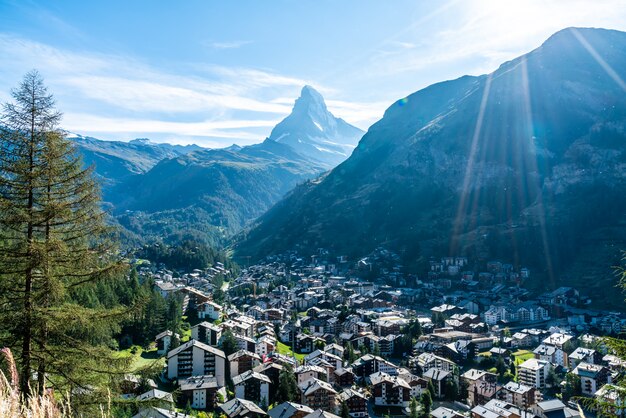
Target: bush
12,404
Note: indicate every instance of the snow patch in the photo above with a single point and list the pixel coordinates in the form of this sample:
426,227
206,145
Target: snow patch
327,150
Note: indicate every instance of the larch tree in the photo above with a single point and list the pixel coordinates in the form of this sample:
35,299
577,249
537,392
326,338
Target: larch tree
54,239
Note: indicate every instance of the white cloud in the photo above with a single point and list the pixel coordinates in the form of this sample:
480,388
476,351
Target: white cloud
255,78
147,96
362,115
123,97
493,31
208,127
118,97
233,129
227,44
217,128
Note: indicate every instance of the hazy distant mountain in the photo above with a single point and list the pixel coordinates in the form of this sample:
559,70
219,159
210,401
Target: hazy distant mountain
314,132
210,194
170,191
527,164
116,160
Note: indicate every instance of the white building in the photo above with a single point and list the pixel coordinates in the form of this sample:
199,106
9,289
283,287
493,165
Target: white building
164,342
304,373
252,386
592,377
493,316
265,345
210,310
207,333
534,372
200,390
329,357
558,340
196,359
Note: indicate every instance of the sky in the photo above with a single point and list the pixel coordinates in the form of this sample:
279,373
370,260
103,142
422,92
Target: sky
216,73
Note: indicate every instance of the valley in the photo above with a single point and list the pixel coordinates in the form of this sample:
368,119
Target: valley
306,210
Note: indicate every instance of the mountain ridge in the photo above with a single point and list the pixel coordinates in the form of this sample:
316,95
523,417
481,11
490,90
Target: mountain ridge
116,160
495,165
223,189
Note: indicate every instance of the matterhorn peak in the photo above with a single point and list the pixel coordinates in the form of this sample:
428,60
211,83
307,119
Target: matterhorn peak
310,100
313,131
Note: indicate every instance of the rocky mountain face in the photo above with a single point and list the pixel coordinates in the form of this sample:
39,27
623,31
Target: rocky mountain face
316,133
526,164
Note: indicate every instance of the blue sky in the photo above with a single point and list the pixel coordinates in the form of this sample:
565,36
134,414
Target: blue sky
221,72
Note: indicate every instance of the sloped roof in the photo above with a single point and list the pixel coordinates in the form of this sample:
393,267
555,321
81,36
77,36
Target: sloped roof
288,410
153,412
163,334
242,353
318,413
380,377
250,374
436,374
239,407
313,385
349,393
195,343
155,394
199,382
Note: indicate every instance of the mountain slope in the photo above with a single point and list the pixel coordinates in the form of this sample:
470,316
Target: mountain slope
116,160
516,164
210,194
314,132
248,178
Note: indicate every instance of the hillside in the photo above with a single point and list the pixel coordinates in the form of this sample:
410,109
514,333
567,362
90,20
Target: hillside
114,161
526,163
214,192
173,192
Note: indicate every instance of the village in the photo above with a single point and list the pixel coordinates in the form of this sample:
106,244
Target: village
325,336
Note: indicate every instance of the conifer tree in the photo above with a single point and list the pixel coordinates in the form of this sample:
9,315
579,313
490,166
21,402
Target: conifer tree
351,355
229,343
345,411
427,403
612,396
53,241
287,386
413,407
431,389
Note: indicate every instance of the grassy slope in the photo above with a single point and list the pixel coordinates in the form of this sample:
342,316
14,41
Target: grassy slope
142,358
286,350
522,355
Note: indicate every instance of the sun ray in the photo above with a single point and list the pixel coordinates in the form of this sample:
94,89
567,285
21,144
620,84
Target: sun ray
605,66
469,169
527,137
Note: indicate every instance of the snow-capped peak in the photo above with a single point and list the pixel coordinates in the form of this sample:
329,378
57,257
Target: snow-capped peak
315,132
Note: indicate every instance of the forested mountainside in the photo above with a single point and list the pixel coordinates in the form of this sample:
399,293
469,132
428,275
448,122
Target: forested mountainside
176,193
526,162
